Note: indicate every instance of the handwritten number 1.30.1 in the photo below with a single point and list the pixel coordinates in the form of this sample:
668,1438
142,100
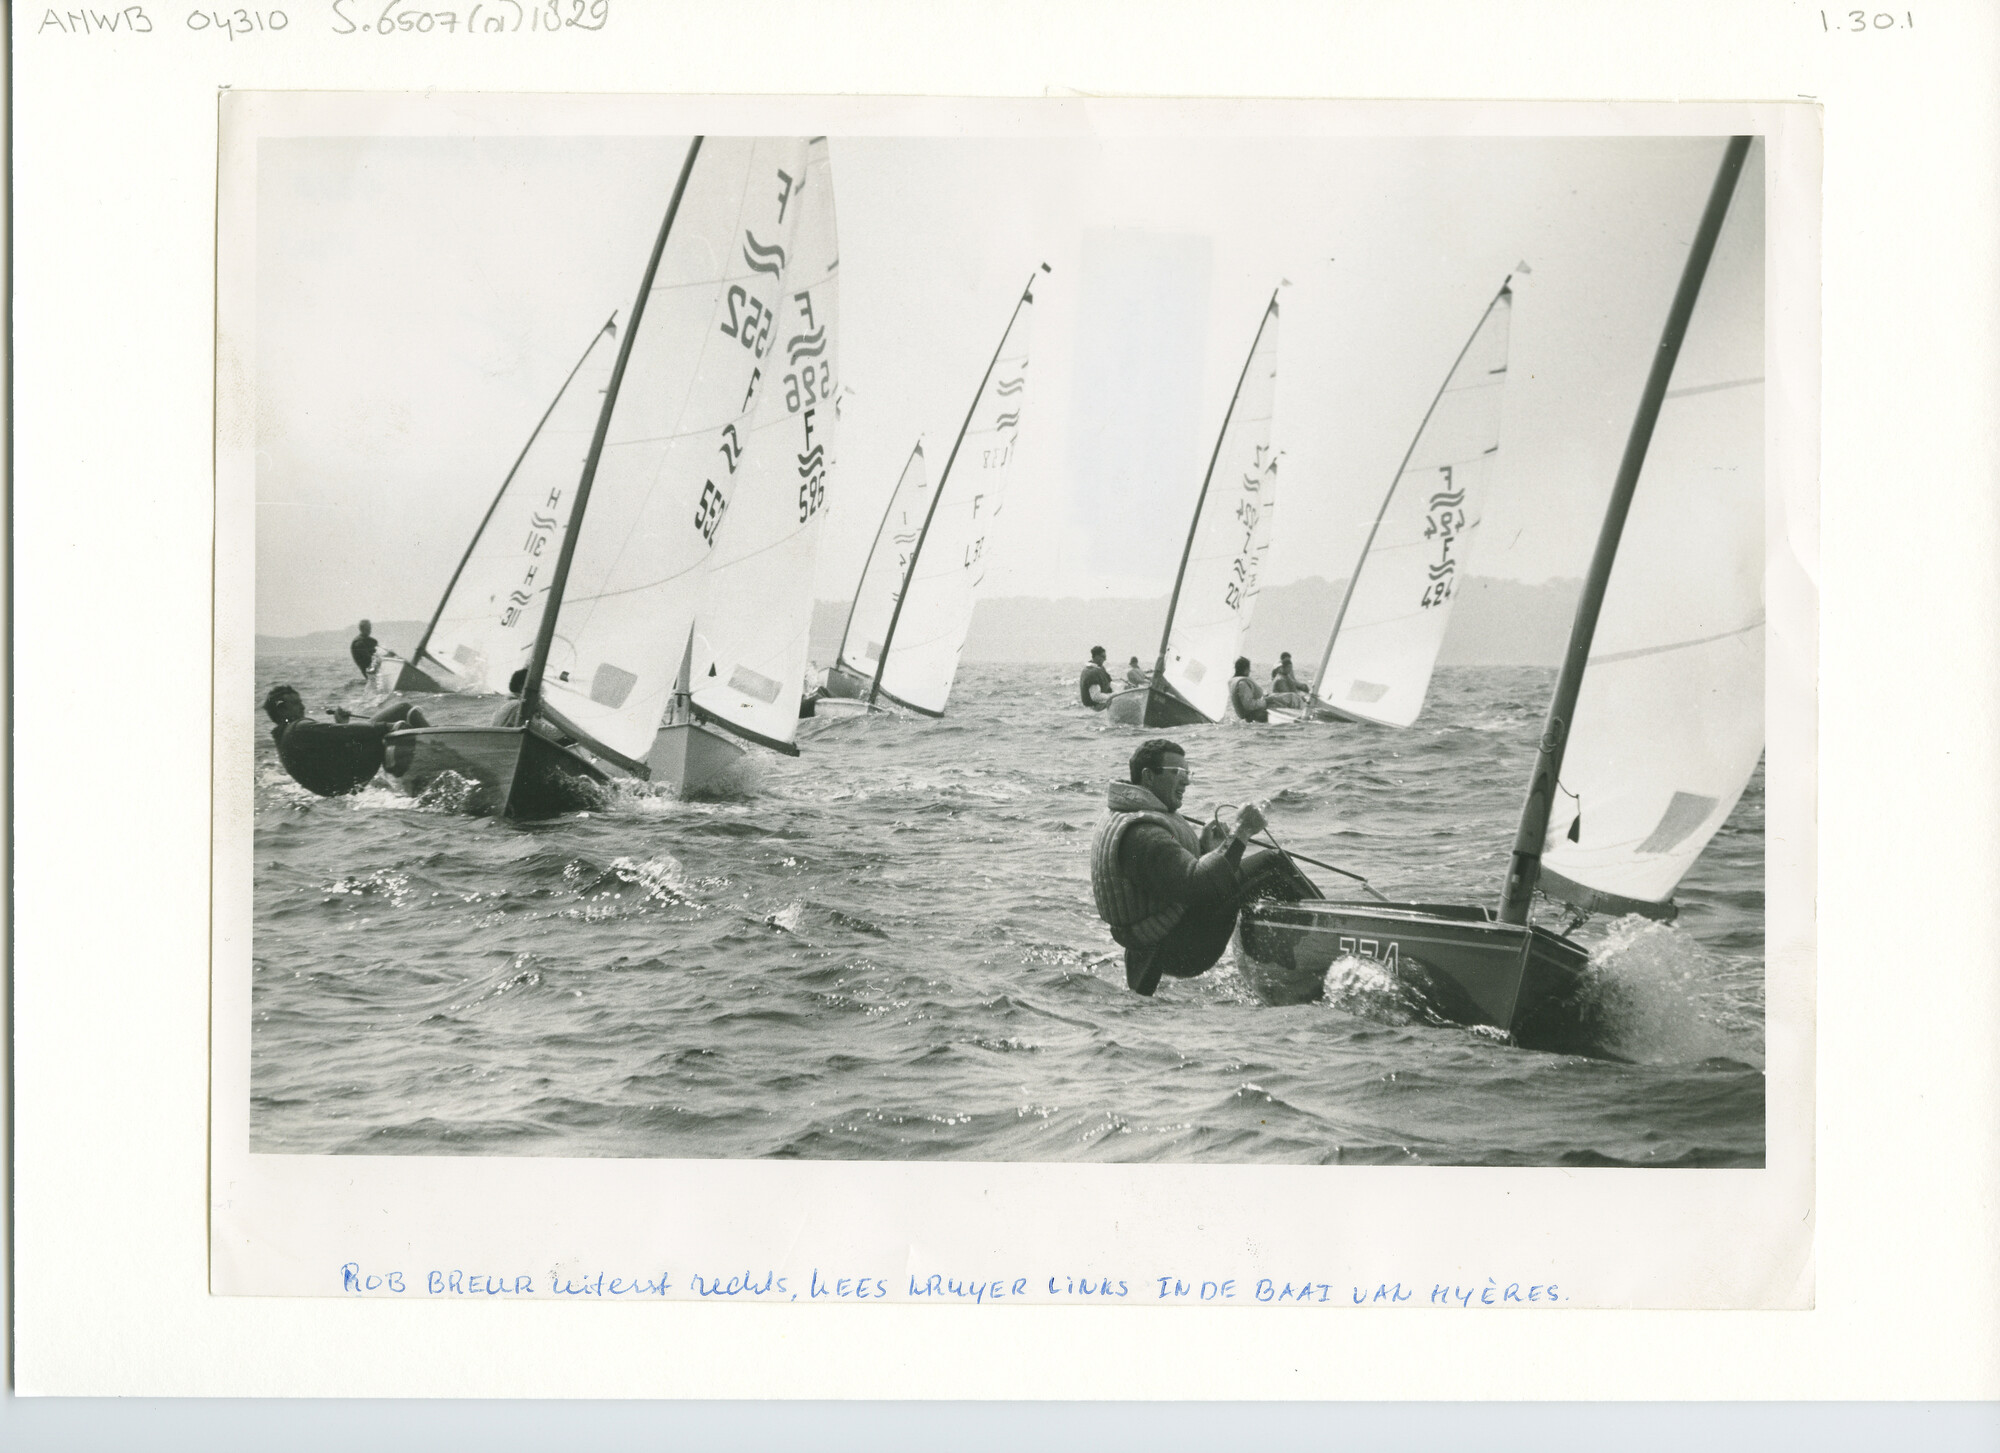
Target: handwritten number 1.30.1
1863,20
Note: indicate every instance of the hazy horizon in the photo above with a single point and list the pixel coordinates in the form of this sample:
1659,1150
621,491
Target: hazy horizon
403,354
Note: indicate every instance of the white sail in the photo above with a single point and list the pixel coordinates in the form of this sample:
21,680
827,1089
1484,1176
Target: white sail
928,631
1385,639
1669,724
888,563
753,632
484,629
703,340
1220,574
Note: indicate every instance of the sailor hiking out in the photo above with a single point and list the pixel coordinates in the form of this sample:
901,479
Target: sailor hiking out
1170,893
332,758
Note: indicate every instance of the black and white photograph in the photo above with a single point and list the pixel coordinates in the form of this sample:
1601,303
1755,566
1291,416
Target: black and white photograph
1145,647
1029,709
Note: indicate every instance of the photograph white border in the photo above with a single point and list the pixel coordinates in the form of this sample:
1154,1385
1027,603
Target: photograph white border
99,1271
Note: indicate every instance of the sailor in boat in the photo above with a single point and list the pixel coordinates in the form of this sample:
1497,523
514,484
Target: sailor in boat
510,714
1284,679
363,648
1170,893
337,757
1135,674
1251,702
1093,683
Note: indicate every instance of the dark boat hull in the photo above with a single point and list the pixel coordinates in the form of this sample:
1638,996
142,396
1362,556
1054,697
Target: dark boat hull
1149,706
1463,964
511,770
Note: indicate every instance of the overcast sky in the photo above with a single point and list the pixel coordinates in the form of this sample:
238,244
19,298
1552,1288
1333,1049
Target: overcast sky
420,299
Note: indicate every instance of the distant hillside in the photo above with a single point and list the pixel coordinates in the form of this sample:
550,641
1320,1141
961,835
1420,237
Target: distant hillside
397,636
1494,623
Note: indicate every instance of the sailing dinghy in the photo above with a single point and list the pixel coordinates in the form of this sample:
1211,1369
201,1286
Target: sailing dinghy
1650,746
1384,643
1221,564
747,646
882,577
924,599
612,632
483,630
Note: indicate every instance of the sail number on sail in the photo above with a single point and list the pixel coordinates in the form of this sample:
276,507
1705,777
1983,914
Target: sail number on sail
810,382
812,473
541,528
750,322
1241,584
1445,519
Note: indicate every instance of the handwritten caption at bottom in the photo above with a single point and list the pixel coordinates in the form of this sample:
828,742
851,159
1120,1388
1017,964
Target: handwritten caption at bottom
660,1284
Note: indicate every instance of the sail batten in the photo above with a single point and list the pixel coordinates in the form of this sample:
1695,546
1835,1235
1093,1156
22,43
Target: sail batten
1386,635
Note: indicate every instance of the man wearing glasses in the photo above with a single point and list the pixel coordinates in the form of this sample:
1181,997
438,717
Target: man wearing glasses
1170,893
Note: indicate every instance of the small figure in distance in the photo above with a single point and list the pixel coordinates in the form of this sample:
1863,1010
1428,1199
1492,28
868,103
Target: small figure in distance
1249,700
1093,683
363,648
1135,674
1171,894
1284,679
510,714
337,757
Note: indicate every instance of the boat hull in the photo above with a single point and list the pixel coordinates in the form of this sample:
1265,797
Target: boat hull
410,679
845,684
1144,706
693,760
509,770
1464,966
828,707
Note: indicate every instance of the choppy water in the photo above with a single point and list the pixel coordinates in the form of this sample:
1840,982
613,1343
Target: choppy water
886,949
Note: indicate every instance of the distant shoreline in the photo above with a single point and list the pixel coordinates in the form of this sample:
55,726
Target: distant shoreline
1494,622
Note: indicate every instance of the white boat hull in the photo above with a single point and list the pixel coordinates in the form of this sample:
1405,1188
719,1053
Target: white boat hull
693,760
838,706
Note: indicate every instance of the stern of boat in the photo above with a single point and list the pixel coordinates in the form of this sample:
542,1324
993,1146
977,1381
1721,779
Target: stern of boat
1460,964
1152,706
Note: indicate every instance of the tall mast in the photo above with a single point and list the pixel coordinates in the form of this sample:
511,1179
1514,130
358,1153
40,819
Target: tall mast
887,510
531,693
1525,868
610,325
937,491
1174,601
1361,562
